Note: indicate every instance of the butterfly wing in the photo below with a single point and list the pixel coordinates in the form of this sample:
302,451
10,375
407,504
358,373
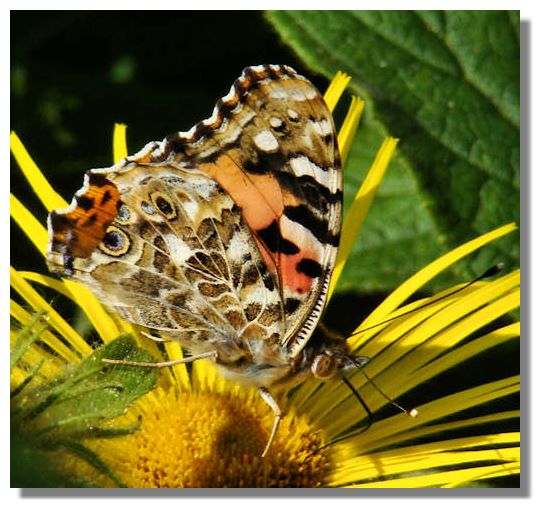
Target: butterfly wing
271,145
168,250
223,234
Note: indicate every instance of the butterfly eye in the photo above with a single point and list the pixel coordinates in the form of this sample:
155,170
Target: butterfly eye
164,205
115,242
324,366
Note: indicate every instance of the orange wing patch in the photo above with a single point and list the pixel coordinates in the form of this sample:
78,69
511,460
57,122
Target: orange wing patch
78,230
262,202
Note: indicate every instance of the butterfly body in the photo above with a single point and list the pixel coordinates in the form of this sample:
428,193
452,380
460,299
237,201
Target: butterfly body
223,237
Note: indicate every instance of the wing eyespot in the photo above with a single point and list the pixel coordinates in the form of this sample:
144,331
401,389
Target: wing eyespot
164,205
124,214
147,208
115,242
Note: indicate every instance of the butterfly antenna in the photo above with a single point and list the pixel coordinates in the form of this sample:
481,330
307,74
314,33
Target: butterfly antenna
413,412
495,269
355,433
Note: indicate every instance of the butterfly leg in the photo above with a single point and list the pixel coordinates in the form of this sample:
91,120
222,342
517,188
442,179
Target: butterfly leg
170,363
269,399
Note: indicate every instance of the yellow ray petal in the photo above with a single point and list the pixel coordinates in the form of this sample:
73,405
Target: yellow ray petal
485,472
55,320
51,364
391,369
349,127
335,90
445,427
432,335
424,461
360,207
443,479
423,276
49,368
380,432
32,228
174,352
433,314
343,412
429,458
48,196
16,377
120,142
203,375
101,321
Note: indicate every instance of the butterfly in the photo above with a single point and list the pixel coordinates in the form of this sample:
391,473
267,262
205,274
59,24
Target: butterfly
223,237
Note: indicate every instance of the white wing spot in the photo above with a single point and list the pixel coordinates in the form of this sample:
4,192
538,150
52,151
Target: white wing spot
275,122
323,127
179,251
266,141
293,115
303,166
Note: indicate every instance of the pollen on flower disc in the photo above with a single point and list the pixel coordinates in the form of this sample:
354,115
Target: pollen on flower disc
210,439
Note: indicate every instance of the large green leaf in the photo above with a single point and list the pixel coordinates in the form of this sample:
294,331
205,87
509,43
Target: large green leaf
446,84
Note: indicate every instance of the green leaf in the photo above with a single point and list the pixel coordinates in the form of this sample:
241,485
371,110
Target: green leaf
89,394
447,84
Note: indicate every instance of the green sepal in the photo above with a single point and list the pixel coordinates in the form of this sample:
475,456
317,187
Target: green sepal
26,337
86,454
88,394
31,375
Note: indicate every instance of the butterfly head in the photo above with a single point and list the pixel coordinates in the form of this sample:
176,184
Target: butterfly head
327,354
334,362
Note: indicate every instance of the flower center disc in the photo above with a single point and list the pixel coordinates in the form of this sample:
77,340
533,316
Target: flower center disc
210,439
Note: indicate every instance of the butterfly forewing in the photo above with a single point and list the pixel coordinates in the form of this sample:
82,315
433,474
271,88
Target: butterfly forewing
271,145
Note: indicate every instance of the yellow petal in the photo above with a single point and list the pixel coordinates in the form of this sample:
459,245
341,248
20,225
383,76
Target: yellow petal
51,366
203,375
430,464
120,142
360,207
349,127
55,320
32,228
423,276
400,371
48,196
101,321
335,90
402,437
174,352
486,299
24,318
380,433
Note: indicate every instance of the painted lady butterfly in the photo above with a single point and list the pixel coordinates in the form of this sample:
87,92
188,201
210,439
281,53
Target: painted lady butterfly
223,237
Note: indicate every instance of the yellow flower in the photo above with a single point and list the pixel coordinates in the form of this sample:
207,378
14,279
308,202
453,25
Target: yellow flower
195,429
